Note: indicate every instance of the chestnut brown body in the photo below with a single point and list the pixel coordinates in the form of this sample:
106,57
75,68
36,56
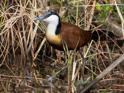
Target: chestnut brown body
73,36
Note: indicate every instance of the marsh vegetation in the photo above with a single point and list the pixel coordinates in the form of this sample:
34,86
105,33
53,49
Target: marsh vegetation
28,64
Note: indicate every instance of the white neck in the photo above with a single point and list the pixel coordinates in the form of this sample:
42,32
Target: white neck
52,21
51,29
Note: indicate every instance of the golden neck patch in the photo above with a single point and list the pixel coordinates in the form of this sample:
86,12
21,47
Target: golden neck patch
54,39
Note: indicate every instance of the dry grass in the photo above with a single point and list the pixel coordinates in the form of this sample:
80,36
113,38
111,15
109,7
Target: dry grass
28,64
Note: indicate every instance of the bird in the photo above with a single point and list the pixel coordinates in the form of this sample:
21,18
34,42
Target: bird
59,33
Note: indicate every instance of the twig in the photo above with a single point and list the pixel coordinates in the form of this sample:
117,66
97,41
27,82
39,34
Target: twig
90,16
41,45
18,77
106,71
85,5
121,17
117,30
32,37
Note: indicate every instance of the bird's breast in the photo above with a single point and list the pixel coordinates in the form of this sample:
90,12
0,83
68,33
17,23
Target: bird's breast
54,39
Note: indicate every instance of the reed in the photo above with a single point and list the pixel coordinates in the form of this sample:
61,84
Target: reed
26,59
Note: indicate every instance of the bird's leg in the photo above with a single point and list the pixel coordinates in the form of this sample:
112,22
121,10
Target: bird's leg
59,57
83,61
58,54
82,56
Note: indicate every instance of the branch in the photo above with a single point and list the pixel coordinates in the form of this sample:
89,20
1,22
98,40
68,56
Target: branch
105,72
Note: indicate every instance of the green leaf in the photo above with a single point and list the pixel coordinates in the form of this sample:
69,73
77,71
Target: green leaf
98,7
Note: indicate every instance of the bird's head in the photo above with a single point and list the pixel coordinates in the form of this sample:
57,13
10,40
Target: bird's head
49,17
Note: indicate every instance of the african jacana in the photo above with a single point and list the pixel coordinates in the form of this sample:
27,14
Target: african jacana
61,32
